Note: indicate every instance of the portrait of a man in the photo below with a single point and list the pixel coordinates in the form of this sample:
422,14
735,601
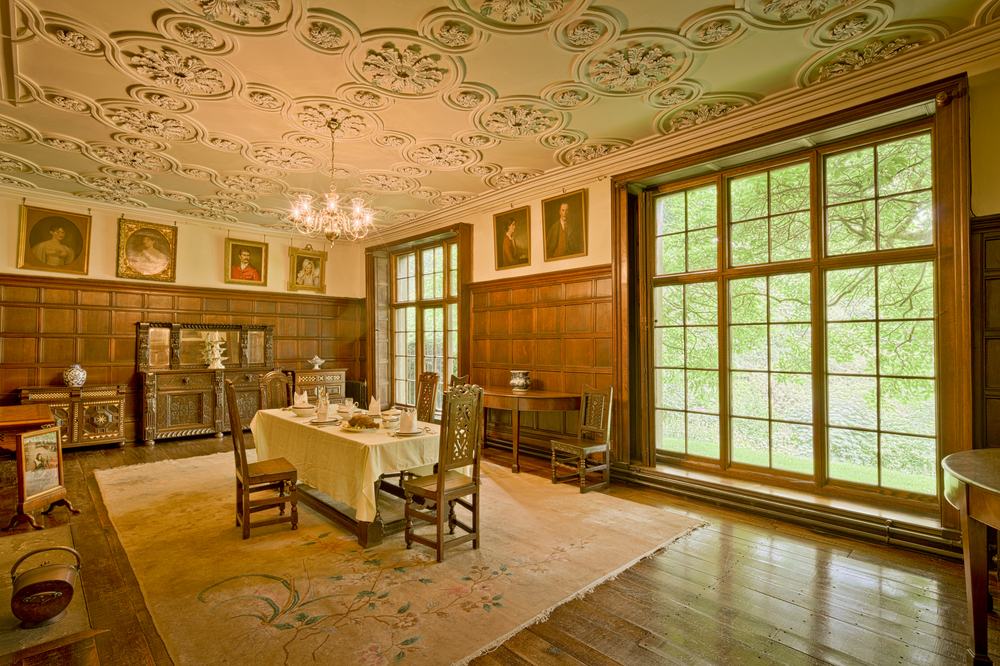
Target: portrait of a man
53,241
146,251
512,232
564,222
246,262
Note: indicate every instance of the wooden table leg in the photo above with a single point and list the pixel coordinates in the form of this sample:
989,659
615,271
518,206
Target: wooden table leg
976,588
515,419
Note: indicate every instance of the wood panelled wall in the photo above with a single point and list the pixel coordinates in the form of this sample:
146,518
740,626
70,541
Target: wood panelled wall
985,260
48,323
558,326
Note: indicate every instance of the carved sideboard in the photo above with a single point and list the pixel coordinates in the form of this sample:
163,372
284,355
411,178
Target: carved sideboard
86,415
333,380
182,397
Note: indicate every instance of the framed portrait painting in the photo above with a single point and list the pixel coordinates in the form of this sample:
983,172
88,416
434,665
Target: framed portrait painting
39,464
306,270
512,238
51,240
246,262
146,251
564,225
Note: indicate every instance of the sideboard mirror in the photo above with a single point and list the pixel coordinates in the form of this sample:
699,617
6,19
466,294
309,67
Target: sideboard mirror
174,346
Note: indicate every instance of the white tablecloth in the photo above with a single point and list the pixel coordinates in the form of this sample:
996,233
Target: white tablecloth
342,464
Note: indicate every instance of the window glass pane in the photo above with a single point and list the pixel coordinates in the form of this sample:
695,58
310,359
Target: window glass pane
905,165
671,214
909,463
850,228
686,237
748,197
453,271
769,216
850,176
854,456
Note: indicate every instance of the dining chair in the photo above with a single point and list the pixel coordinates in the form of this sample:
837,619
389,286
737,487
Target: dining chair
426,388
459,447
457,380
275,389
595,426
357,390
277,474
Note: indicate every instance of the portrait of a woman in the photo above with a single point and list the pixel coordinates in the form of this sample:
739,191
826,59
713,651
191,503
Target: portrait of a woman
54,252
307,274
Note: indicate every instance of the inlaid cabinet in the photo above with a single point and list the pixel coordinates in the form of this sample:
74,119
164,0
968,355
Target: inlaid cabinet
335,382
86,415
182,397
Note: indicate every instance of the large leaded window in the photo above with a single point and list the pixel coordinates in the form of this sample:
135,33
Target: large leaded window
794,330
424,318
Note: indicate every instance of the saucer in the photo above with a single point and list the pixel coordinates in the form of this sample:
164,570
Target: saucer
399,433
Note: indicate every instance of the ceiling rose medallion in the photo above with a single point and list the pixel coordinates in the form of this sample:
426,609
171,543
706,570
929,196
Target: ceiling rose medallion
403,71
511,10
634,68
240,12
189,74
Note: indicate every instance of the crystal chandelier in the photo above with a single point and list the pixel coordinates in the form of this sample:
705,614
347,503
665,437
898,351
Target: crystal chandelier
331,215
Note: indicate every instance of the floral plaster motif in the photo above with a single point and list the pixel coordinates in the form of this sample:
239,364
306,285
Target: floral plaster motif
69,103
424,193
511,10
207,215
177,197
365,98
236,196
143,144
318,119
517,121
584,34
308,142
567,98
77,40
240,12
476,141
135,159
196,173
222,205
702,114
122,173
150,123
405,217
480,170
164,102
509,178
562,140
384,183
197,36
876,51
225,144
337,173
438,155
11,166
848,28
120,186
587,153
9,132
285,158
633,69
673,97
58,175
403,71
392,141
451,199
189,74
787,9
468,100
715,31
62,144
411,171
273,214
454,35
264,100
325,36
110,197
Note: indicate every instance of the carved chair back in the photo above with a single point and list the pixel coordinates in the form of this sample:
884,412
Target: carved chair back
236,429
457,380
595,413
275,390
461,430
426,388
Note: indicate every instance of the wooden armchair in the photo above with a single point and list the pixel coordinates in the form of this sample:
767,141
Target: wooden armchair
426,388
461,428
275,390
278,475
595,426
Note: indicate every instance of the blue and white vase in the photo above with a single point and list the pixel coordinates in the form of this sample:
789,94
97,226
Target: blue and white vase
519,380
74,375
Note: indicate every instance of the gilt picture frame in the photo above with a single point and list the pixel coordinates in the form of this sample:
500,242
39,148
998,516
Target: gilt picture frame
245,262
306,270
53,240
564,225
512,238
146,251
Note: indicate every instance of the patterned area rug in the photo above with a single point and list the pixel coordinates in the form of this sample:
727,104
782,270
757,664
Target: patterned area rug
314,596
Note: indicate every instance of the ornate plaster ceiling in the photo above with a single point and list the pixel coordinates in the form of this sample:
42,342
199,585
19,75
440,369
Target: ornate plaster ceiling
218,109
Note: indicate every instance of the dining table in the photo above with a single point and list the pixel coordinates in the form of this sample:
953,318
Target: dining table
344,465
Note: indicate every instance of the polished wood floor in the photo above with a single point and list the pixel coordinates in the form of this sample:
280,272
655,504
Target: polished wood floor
740,591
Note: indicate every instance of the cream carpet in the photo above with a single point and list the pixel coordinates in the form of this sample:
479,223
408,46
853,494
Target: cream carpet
313,596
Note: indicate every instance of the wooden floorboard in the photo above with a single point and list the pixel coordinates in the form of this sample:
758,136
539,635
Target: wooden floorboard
741,590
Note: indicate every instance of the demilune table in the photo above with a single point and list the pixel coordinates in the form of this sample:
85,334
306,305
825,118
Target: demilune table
498,397
972,485
345,465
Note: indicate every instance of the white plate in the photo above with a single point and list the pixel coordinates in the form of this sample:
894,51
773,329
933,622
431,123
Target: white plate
397,433
334,421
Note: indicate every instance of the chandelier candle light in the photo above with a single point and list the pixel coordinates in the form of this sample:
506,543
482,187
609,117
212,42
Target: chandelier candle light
327,215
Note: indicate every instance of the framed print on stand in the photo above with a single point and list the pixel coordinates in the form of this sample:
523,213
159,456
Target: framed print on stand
245,262
146,251
564,225
512,238
39,475
51,240
306,270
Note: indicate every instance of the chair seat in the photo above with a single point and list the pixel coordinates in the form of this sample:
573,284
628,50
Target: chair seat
427,485
579,447
268,470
